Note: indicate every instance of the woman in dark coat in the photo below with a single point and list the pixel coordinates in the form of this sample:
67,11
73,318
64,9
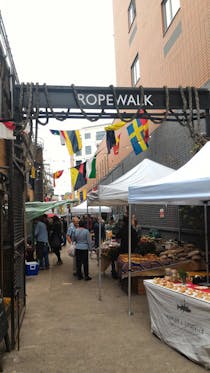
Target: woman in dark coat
122,234
55,238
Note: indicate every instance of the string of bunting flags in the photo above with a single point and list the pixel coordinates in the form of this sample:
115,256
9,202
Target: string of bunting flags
79,174
82,172
72,139
138,133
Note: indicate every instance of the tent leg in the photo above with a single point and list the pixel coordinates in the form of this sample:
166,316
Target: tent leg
130,313
99,259
206,241
179,224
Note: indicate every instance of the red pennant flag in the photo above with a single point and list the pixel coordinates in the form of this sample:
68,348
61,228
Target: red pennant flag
56,175
10,125
116,147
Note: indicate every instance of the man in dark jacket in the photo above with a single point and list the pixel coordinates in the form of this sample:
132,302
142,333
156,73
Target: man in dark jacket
121,233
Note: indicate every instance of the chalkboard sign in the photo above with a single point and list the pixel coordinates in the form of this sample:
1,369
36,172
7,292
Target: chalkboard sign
3,321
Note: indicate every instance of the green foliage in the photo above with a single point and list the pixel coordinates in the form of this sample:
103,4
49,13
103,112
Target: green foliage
145,248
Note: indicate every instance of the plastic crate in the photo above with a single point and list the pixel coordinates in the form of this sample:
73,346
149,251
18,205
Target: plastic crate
32,268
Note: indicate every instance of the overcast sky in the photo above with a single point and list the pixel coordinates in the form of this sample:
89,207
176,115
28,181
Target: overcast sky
61,43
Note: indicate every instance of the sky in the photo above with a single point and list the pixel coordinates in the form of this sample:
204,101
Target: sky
61,43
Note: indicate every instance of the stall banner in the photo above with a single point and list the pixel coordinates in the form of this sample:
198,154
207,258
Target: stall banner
181,321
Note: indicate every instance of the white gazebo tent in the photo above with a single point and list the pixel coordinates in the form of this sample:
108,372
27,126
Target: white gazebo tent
116,193
189,185
84,208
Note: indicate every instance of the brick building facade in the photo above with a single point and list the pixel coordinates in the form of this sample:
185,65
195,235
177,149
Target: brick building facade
155,49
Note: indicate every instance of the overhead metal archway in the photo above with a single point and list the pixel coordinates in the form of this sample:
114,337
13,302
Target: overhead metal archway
34,101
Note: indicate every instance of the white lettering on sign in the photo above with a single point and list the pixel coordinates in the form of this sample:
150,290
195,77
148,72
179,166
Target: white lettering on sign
147,100
108,100
91,99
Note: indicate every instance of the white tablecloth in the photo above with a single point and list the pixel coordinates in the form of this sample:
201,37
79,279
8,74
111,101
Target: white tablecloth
181,321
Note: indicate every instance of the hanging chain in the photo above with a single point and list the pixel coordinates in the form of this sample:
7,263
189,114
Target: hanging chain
120,115
29,95
165,115
82,110
37,106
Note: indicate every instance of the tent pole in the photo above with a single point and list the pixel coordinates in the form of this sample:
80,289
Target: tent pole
206,241
129,261
179,224
99,258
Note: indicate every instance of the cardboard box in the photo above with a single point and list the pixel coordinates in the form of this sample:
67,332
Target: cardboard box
32,268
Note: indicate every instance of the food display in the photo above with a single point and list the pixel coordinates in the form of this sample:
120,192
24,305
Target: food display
180,253
108,246
143,262
108,250
200,292
166,253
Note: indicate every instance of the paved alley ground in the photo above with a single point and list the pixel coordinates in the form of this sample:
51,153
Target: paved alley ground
66,329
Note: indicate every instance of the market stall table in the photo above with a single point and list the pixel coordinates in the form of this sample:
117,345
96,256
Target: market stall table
151,262
181,319
108,249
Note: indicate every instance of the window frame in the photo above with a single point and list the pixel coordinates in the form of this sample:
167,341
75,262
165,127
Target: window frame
100,132
87,135
135,71
170,14
87,147
131,13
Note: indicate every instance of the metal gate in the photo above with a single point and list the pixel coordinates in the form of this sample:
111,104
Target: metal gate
17,235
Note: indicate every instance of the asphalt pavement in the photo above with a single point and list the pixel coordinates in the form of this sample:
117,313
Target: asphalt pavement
67,329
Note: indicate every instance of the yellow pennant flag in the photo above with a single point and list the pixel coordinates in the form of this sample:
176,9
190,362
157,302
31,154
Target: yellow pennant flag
115,126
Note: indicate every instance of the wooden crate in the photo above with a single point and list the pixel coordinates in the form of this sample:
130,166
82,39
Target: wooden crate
137,285
192,265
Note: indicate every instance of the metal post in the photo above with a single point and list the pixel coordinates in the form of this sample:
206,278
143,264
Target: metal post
179,222
206,241
129,261
99,258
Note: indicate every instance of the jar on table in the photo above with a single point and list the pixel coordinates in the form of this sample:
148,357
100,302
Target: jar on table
174,275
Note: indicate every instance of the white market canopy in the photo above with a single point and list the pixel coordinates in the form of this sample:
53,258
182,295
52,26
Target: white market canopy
189,185
84,208
116,193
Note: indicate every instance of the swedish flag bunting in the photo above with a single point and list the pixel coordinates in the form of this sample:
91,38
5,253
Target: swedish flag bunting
138,132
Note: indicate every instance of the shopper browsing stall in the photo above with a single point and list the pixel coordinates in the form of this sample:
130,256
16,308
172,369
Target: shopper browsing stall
83,245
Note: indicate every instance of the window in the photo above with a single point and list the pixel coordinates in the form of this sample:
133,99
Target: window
131,13
170,8
79,153
135,71
88,150
100,135
87,135
78,162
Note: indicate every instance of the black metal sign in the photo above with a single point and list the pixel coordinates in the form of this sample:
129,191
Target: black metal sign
108,97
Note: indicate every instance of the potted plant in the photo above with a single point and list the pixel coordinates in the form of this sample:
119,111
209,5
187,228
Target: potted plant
182,276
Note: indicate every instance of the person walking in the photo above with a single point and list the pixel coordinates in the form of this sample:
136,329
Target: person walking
83,245
42,243
55,238
70,236
64,229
